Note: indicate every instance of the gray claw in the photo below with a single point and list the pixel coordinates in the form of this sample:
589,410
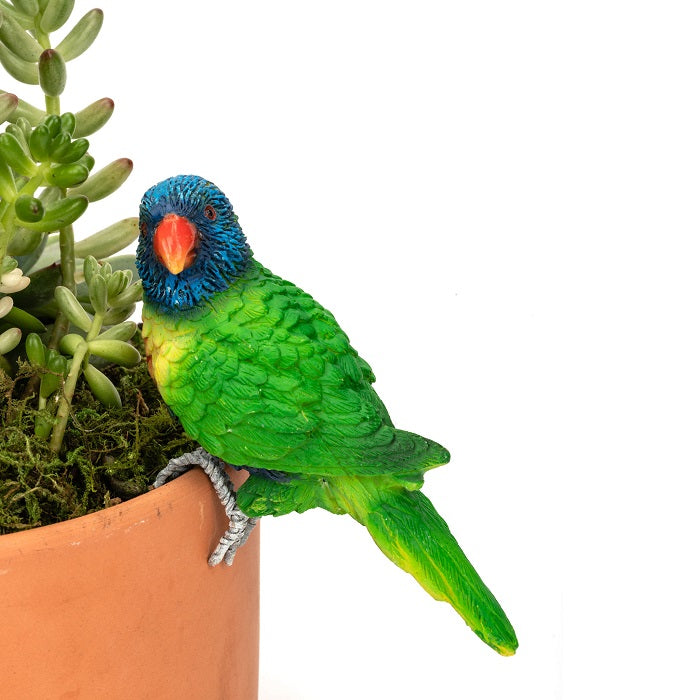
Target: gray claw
240,525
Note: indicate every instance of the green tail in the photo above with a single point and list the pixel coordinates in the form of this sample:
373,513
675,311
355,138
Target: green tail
407,528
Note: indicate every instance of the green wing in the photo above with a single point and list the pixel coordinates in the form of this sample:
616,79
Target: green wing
264,377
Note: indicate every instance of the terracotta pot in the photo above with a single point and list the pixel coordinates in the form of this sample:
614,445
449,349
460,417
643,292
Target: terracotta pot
122,603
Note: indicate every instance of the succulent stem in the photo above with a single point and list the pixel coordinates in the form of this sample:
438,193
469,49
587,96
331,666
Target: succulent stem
63,411
7,220
66,243
53,104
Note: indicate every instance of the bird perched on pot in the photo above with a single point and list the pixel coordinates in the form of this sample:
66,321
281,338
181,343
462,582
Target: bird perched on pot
263,377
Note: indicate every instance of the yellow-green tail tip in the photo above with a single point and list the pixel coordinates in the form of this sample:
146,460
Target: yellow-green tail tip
498,634
507,650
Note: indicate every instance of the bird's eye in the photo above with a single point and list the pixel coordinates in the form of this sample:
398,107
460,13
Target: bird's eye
210,212
143,228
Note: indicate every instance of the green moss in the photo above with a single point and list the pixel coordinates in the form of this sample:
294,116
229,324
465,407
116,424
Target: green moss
108,455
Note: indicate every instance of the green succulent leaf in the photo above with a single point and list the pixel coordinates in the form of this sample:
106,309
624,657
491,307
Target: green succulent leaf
116,315
102,387
117,351
88,161
10,338
72,309
29,208
49,196
122,331
8,105
59,141
8,189
70,152
24,242
80,38
93,117
110,240
26,111
43,425
68,123
49,383
53,124
90,268
12,127
20,70
105,181
40,142
116,283
71,343
22,319
13,152
56,365
36,351
17,130
56,14
129,296
69,175
97,289
5,305
26,128
7,264
30,8
8,9
22,44
61,213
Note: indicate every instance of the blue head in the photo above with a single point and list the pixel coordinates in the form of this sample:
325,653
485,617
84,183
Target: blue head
190,243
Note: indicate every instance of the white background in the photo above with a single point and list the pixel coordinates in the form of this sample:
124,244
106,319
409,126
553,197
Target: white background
499,202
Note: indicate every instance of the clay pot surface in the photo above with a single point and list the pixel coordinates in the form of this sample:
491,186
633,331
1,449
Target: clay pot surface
122,603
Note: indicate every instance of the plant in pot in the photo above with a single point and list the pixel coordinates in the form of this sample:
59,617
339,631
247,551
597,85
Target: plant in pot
102,593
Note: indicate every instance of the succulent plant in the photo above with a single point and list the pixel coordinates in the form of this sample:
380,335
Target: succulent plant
64,304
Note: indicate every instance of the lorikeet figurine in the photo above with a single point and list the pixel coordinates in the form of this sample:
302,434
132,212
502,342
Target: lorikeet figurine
262,376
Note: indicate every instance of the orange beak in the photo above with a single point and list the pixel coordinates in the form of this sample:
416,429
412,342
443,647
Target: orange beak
175,242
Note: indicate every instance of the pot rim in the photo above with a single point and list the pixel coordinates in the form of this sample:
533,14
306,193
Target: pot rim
135,511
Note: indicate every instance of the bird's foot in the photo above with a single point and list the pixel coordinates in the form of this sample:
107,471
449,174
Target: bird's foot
240,525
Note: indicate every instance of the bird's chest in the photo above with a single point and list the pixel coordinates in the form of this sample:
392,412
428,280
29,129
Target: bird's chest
168,343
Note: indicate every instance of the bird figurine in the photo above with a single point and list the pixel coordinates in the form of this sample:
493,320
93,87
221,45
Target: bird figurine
265,380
